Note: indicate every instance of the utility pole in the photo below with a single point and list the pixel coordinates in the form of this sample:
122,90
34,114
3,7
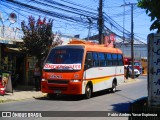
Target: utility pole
100,22
123,20
132,42
132,37
90,22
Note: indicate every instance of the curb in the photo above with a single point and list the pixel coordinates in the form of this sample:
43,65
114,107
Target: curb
19,95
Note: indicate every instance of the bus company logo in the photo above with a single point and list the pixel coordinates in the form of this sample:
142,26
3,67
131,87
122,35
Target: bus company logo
56,76
21,114
6,114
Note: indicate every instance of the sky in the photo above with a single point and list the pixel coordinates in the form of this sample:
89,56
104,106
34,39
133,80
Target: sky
113,8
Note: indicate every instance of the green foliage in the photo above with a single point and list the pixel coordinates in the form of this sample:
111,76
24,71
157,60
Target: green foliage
152,9
37,37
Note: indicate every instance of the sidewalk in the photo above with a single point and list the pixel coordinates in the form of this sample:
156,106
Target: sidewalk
21,93
28,92
130,80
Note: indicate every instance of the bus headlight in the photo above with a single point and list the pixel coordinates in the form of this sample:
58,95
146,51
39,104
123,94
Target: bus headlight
43,80
2,88
75,80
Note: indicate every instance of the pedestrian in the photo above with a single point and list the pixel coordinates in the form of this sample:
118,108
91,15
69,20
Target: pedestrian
127,72
5,79
37,77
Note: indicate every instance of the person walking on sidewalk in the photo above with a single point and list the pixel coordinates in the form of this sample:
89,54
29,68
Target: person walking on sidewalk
127,73
37,77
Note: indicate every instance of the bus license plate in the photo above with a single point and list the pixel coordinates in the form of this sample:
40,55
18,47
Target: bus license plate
57,91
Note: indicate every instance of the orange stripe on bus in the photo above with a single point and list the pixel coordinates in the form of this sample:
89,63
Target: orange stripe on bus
102,79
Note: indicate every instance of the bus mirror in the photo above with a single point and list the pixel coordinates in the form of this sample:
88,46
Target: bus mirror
88,63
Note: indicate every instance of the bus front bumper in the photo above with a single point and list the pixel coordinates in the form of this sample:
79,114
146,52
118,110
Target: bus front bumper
70,88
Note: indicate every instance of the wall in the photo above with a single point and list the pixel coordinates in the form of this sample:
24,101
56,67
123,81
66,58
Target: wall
140,51
144,62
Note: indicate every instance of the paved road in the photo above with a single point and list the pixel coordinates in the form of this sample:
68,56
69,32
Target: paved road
101,101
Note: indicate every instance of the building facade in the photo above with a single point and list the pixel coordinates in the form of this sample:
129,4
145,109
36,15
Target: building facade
12,59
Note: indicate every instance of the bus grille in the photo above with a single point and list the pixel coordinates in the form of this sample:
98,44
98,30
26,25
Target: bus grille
57,88
58,81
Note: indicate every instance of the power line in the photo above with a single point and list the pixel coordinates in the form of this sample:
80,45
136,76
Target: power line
50,10
79,5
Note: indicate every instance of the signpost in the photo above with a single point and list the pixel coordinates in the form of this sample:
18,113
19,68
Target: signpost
154,70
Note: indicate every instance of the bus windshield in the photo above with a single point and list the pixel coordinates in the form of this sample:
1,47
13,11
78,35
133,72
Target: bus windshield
64,59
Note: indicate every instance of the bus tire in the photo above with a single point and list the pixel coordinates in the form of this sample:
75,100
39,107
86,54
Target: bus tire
51,95
88,92
113,89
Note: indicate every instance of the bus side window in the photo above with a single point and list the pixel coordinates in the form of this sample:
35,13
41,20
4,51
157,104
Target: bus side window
88,60
120,59
95,59
115,62
109,59
102,59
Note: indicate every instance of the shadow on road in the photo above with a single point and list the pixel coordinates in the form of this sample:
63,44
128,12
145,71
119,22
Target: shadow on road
75,97
121,107
103,92
62,98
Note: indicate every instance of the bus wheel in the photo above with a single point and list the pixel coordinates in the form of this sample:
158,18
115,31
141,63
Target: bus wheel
51,95
88,92
113,89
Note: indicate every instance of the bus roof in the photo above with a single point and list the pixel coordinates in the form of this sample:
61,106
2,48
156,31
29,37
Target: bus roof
89,46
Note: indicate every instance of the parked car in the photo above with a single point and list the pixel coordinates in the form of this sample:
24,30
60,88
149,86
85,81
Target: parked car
137,65
136,72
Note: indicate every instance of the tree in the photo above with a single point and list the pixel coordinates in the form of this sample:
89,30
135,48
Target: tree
37,38
152,9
